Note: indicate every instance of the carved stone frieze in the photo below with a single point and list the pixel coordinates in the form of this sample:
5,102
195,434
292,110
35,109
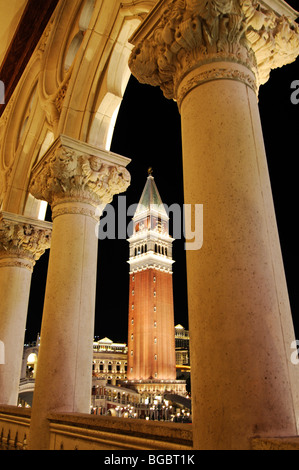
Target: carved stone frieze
191,33
22,240
69,173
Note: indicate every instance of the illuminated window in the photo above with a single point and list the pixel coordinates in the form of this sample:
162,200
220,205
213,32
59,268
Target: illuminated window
155,308
155,340
155,324
156,357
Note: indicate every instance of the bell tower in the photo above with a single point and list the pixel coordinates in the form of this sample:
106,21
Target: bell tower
151,339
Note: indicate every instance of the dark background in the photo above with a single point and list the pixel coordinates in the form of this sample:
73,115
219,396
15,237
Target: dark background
148,132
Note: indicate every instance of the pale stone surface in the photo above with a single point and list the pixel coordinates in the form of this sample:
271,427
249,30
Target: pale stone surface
22,242
212,57
276,443
75,179
243,386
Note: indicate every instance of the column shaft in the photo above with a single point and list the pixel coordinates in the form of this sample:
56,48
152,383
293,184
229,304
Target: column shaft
22,243
15,288
64,377
240,373
78,180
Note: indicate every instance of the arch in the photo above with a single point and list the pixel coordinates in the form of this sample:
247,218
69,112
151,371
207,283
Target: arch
108,102
63,44
33,207
86,14
102,128
24,121
72,50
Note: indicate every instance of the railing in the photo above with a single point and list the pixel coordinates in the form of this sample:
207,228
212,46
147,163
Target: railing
14,427
84,432
74,431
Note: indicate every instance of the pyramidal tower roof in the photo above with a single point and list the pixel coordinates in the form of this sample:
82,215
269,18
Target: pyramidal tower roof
150,199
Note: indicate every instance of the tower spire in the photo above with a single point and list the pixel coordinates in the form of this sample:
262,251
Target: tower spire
151,339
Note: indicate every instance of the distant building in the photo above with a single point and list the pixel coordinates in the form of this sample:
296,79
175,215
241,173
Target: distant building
109,372
182,351
109,361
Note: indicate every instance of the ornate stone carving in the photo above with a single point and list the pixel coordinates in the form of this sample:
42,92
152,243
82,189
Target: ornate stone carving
68,174
22,241
190,33
60,96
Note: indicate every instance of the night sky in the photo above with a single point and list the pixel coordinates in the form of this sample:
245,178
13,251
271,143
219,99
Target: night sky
148,131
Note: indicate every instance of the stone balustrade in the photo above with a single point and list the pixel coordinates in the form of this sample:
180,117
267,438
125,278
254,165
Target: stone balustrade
76,431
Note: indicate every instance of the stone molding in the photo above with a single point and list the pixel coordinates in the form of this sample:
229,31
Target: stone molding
186,34
216,71
22,240
72,171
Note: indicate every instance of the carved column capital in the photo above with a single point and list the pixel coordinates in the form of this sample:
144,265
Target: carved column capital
22,240
72,171
181,35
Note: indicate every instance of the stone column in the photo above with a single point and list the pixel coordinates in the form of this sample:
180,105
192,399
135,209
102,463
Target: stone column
78,180
22,242
211,57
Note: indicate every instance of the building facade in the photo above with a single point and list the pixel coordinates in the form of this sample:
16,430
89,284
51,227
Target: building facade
109,394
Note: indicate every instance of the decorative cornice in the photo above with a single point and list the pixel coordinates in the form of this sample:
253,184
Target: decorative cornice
22,240
181,35
72,171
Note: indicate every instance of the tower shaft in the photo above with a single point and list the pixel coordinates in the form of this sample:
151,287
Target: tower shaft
151,344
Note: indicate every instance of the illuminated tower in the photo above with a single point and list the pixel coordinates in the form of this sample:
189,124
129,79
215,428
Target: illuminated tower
151,339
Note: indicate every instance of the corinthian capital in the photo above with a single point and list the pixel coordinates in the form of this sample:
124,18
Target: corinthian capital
74,171
22,240
180,35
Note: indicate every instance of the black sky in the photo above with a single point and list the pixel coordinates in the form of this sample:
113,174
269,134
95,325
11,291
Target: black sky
148,132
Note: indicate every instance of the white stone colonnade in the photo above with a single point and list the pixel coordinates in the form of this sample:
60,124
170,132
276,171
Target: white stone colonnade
211,57
59,117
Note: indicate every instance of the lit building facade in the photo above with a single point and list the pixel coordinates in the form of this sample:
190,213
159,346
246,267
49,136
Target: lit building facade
182,350
109,361
108,396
